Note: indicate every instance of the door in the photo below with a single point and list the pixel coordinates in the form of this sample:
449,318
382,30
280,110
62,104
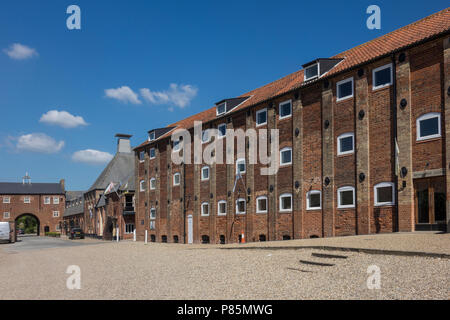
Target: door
190,230
430,200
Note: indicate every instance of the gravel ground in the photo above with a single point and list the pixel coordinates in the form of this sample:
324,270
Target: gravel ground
130,270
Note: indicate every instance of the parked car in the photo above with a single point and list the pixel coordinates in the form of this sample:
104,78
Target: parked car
5,232
21,231
76,233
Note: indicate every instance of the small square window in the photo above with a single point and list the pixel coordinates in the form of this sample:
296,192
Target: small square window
152,184
142,156
346,197
285,109
55,200
312,72
6,215
240,166
152,136
384,194
6,200
47,200
346,144
205,209
221,108
285,202
176,179
152,153
428,126
222,208
286,156
344,89
222,128
205,173
240,206
152,213
382,76
55,214
26,200
142,185
261,204
314,200
261,117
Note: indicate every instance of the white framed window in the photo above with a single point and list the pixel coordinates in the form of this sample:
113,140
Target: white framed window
241,205
129,228
314,200
261,117
6,215
152,214
205,209
205,173
286,202
46,200
152,225
152,136
346,143
261,204
311,72
55,200
221,108
142,156
222,130
142,185
176,145
240,166
286,156
57,227
222,208
205,136
26,200
382,76
152,184
152,153
285,109
55,214
6,199
384,194
176,179
344,89
346,197
428,126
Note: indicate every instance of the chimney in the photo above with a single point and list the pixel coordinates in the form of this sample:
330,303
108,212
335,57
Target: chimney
123,143
62,182
26,179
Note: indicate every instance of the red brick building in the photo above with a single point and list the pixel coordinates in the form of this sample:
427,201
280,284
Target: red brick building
43,201
362,146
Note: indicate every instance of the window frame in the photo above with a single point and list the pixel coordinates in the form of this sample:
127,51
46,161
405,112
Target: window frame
27,199
150,153
152,225
374,71
285,195
218,207
342,136
346,206
127,228
308,200
237,206
202,177
176,145
256,117
375,194
237,166
57,214
152,217
152,136
309,67
202,209
57,200
258,210
218,130
141,187
141,156
224,109
206,131
427,116
49,200
6,215
281,158
4,200
150,183
339,83
279,109
176,174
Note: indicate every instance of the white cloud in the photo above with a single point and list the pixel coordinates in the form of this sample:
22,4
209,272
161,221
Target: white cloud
63,119
123,94
19,51
38,142
179,95
92,156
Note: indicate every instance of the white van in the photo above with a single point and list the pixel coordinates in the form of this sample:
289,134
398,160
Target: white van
5,231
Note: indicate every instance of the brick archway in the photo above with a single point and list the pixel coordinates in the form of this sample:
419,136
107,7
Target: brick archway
31,215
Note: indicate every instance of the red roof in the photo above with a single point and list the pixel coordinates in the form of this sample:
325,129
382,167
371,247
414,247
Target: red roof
431,26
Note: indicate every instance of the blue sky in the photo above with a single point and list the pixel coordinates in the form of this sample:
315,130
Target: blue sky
184,55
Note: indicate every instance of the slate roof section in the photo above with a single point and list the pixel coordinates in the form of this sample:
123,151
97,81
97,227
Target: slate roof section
434,25
74,203
11,188
118,169
101,202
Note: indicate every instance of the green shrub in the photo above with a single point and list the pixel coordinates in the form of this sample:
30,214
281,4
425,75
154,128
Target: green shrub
53,234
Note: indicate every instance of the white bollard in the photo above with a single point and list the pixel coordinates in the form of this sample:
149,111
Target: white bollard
134,235
145,236
117,234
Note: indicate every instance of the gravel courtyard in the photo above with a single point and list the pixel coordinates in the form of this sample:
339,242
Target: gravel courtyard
132,270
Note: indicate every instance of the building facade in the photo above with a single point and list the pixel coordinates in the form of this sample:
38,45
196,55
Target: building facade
74,211
43,201
362,150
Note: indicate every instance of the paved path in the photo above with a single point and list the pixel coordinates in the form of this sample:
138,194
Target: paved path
26,243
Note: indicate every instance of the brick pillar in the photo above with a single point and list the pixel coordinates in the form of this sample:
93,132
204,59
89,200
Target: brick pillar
250,179
362,143
297,167
169,188
157,202
231,211
328,192
213,200
272,196
447,122
405,186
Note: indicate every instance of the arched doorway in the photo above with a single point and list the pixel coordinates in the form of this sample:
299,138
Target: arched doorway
28,223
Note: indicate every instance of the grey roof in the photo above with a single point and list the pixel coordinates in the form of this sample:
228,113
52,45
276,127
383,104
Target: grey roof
74,203
101,202
30,188
119,169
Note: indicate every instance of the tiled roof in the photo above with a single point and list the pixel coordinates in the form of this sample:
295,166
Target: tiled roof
426,28
30,188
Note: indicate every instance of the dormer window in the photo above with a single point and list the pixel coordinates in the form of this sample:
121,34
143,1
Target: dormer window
312,72
151,136
221,108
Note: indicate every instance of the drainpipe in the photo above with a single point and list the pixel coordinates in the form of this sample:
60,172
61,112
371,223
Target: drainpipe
394,138
184,202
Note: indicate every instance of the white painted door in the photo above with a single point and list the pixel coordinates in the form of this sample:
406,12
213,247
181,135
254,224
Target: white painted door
190,230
